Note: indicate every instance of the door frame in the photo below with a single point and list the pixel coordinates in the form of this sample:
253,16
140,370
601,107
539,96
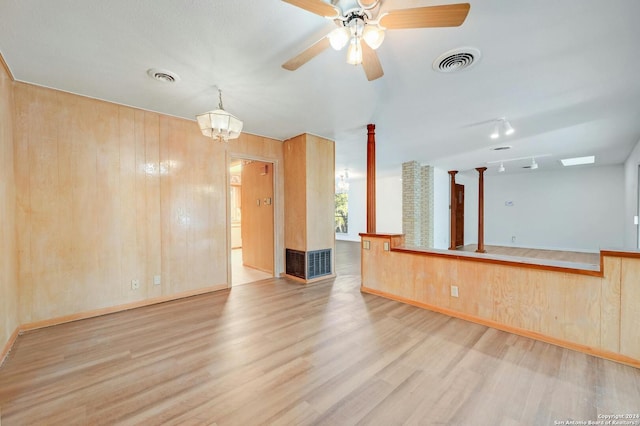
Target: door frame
277,255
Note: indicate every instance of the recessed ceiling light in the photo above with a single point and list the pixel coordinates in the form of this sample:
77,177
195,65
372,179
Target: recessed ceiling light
576,161
163,75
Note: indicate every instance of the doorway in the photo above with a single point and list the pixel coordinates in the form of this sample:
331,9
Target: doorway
459,191
252,220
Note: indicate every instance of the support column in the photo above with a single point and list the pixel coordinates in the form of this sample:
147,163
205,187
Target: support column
481,171
453,208
371,178
412,203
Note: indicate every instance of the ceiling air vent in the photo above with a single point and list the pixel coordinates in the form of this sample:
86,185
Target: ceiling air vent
456,59
501,148
163,75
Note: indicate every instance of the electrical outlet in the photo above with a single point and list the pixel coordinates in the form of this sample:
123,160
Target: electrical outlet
135,284
513,238
156,280
454,291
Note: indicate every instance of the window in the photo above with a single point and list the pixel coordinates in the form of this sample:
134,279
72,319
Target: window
342,213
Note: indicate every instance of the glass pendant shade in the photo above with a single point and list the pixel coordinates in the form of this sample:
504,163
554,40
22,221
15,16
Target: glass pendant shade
339,38
373,36
219,124
354,54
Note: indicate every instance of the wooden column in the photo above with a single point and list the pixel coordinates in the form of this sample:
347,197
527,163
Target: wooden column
453,207
481,171
371,178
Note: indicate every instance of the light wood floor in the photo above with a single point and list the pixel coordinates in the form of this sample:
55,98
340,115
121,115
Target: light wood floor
241,274
277,352
566,256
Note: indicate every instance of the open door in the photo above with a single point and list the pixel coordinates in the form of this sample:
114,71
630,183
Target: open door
459,215
257,216
252,221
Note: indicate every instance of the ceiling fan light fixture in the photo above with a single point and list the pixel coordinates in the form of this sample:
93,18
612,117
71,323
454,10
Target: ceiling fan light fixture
219,124
339,38
373,36
354,54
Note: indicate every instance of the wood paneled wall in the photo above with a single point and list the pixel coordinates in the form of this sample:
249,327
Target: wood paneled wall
310,203
107,194
295,171
595,314
9,319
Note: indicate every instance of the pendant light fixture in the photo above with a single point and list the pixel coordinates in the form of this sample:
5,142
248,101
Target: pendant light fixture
219,124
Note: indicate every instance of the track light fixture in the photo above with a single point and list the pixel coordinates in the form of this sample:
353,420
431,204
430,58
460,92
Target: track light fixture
503,123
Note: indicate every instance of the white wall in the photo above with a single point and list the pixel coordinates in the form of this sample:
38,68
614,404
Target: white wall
389,205
441,192
571,209
631,238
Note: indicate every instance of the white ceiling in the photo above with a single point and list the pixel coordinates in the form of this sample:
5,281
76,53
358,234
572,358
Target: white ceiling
564,72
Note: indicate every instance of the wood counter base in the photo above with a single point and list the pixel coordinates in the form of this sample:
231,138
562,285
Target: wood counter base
498,326
595,311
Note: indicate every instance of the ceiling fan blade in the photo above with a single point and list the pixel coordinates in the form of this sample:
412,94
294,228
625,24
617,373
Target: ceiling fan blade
306,55
450,15
316,6
371,63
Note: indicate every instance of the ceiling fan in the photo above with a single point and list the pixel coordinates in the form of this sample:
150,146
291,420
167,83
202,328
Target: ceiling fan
358,24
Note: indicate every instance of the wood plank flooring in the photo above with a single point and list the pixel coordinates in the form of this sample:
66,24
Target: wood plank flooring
565,256
278,352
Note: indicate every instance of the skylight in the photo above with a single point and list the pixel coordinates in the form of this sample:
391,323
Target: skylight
576,161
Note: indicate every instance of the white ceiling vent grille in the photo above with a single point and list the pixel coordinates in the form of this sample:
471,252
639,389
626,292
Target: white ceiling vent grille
456,59
163,75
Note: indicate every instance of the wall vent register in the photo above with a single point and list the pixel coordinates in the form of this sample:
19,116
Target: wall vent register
309,265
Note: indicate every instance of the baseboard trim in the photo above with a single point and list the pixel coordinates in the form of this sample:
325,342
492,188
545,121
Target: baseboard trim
118,308
7,346
311,281
612,356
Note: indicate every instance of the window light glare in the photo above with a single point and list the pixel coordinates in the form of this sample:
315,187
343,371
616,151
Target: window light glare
576,161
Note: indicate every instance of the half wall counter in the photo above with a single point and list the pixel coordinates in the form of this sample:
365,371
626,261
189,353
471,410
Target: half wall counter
594,309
